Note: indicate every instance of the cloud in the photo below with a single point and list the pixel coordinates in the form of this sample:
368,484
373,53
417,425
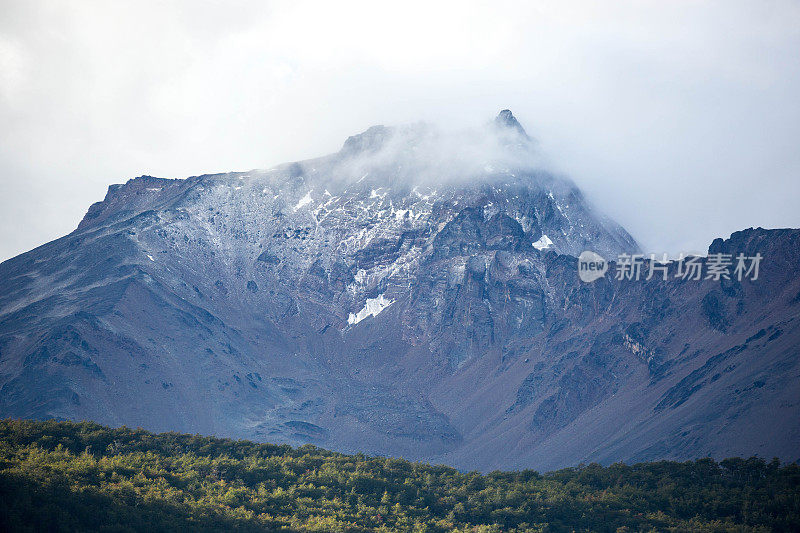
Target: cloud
679,119
431,155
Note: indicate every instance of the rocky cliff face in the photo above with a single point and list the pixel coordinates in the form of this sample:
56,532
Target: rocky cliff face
409,295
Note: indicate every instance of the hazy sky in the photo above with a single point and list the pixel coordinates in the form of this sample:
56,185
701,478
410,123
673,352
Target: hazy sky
679,119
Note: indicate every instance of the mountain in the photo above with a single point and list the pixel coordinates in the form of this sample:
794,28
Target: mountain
415,294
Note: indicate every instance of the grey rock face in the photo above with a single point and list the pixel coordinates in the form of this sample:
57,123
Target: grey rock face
387,301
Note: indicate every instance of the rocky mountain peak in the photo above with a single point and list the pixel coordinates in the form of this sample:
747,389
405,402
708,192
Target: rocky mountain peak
370,140
507,121
414,294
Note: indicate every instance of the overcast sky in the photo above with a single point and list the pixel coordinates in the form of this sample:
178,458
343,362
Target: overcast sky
679,119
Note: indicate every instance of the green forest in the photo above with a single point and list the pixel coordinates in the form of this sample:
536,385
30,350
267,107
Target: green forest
63,476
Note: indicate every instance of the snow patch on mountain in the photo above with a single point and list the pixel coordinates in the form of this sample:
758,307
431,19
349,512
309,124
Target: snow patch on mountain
372,307
543,243
304,201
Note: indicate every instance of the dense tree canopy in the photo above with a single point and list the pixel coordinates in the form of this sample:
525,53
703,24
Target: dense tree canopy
83,476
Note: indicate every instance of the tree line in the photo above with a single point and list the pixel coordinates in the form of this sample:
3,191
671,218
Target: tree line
65,476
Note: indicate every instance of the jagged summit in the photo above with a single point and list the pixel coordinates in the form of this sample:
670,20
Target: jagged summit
370,140
389,179
506,119
503,140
